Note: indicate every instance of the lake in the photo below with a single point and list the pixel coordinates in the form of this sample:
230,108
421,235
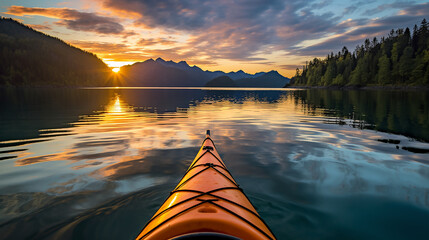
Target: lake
317,164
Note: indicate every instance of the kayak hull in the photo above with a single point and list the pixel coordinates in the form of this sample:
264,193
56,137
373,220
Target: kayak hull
207,200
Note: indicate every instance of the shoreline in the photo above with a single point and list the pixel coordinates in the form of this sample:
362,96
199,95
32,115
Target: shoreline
420,88
415,88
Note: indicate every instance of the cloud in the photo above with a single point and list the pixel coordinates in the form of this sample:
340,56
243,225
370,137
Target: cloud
125,52
247,31
383,7
155,41
421,10
369,29
350,10
241,30
290,66
40,27
73,19
113,51
229,30
356,6
102,47
321,4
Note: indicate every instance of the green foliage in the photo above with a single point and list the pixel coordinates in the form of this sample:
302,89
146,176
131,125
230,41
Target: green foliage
384,75
400,59
31,58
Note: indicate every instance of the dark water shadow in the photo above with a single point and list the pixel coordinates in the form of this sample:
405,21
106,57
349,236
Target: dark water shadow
399,112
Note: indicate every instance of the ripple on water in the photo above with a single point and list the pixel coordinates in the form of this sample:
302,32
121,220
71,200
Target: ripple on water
91,163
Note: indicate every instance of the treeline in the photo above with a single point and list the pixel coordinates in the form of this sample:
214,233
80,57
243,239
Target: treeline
401,58
32,58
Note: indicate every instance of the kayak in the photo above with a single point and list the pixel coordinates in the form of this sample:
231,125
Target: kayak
206,204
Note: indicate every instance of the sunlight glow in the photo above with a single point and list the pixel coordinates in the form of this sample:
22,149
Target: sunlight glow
117,64
116,70
116,106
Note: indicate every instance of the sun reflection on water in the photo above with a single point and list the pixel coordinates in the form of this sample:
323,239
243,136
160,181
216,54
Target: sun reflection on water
132,143
116,106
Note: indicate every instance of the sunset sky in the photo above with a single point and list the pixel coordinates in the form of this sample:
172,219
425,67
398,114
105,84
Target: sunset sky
252,35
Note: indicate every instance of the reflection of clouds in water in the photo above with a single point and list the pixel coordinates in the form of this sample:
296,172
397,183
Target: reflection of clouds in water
20,203
154,163
262,139
66,154
285,160
98,143
347,163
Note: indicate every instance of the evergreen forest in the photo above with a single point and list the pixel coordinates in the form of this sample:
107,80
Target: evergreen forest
400,59
32,58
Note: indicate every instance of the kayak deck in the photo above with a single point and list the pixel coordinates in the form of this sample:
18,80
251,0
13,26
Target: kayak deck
207,200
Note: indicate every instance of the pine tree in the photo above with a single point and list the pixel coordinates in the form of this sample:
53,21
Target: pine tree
406,65
401,58
384,76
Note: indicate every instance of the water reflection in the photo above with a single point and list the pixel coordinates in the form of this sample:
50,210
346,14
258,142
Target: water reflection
401,112
108,163
115,107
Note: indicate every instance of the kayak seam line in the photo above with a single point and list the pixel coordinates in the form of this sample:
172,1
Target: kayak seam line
199,158
223,166
208,167
210,193
232,181
168,219
206,164
226,170
200,194
193,163
208,138
239,205
187,180
217,158
266,225
245,220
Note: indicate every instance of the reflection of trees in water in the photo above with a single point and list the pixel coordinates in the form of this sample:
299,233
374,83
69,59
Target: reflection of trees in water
170,100
400,112
23,112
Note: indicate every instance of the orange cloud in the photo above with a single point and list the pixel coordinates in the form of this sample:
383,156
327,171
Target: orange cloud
117,52
40,27
73,19
155,41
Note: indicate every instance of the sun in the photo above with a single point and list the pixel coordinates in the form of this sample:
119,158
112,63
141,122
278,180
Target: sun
116,70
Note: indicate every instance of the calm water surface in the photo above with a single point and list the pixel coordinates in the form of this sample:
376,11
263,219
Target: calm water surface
317,164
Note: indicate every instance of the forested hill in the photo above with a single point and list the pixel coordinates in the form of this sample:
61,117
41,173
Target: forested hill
32,58
400,59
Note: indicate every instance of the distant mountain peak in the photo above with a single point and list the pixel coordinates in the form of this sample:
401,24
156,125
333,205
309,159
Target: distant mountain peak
184,63
184,75
273,72
160,60
221,81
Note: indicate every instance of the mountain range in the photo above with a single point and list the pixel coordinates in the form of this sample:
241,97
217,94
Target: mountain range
32,58
159,72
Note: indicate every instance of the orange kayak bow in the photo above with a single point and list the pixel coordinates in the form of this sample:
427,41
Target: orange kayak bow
206,204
